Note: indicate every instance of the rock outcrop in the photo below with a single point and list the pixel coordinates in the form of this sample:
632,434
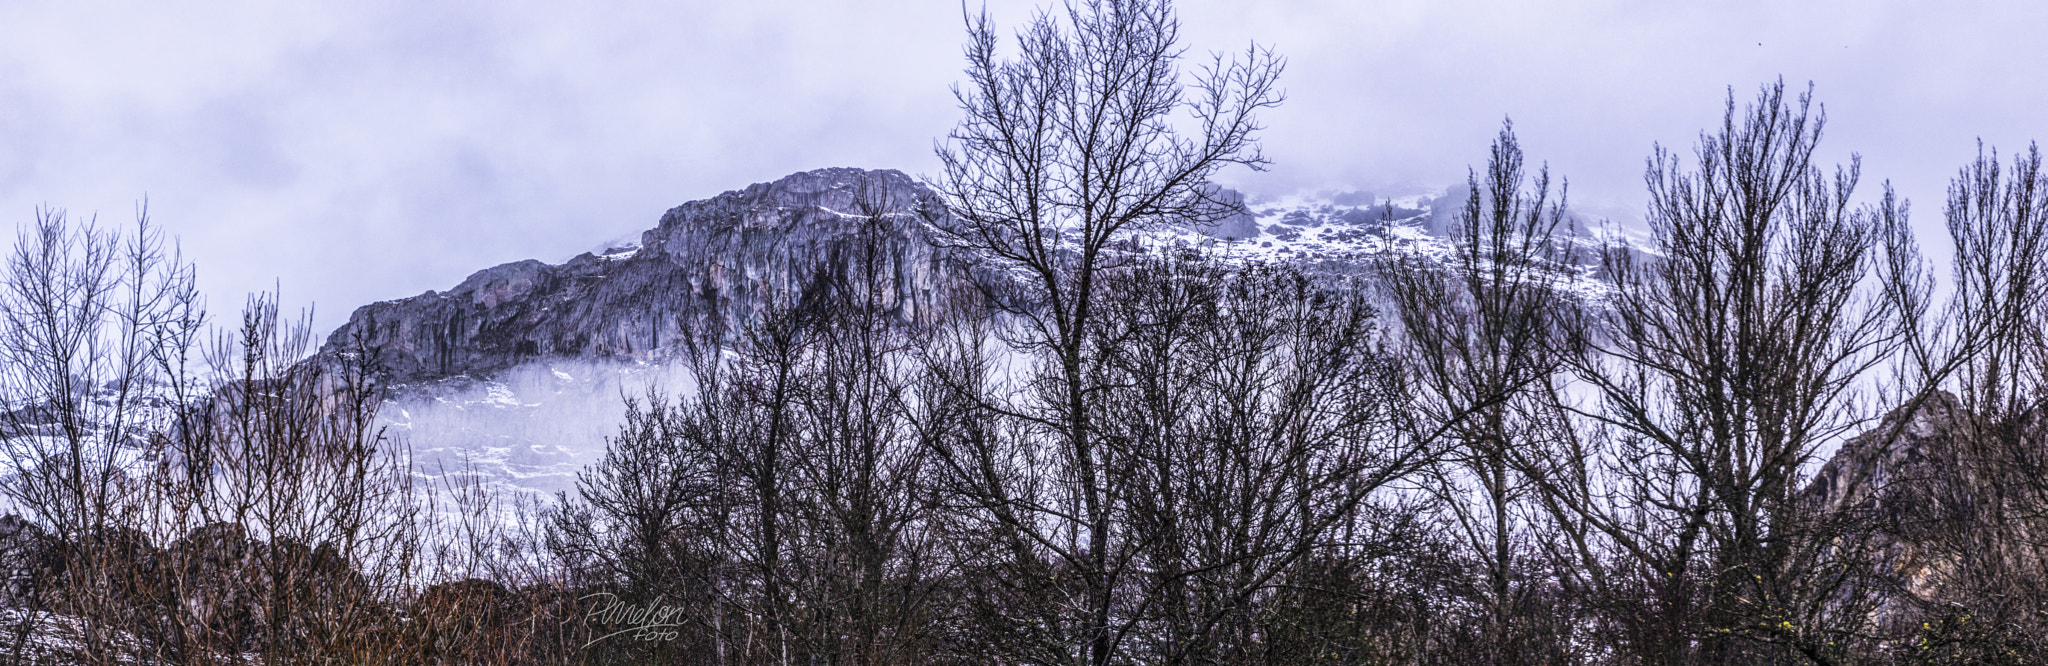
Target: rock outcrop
1949,503
722,260
1906,450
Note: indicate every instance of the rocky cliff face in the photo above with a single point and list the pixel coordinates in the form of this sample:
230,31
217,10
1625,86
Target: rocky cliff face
1951,501
722,260
1874,469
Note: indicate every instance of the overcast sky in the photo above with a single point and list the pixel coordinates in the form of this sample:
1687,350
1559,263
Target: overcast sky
369,150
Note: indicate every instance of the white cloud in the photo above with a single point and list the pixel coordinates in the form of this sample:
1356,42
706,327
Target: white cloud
373,150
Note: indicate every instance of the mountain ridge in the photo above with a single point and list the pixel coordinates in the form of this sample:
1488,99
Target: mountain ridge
716,263
716,260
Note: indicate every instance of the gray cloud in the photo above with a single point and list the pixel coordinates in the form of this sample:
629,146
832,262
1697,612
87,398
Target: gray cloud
363,151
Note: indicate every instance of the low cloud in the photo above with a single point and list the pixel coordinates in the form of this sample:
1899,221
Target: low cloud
369,151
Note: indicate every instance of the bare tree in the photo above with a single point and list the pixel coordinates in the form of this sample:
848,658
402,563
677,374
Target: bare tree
1480,334
1248,412
782,503
1062,152
868,565
290,520
637,532
1722,364
84,310
95,326
192,517
1969,523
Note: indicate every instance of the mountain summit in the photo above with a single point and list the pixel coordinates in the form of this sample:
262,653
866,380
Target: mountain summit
720,260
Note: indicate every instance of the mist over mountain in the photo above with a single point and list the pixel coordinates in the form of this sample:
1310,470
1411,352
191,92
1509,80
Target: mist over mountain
717,263
515,377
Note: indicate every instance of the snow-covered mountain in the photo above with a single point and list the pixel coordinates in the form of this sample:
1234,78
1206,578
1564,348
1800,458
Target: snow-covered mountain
515,376
723,259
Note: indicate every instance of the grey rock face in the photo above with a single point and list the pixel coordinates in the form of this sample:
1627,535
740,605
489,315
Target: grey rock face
716,262
1888,473
1946,500
1239,224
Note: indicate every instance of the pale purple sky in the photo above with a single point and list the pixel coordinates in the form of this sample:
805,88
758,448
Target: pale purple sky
370,150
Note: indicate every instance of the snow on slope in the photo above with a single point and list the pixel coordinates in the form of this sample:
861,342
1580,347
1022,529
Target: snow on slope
1337,233
523,433
528,430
